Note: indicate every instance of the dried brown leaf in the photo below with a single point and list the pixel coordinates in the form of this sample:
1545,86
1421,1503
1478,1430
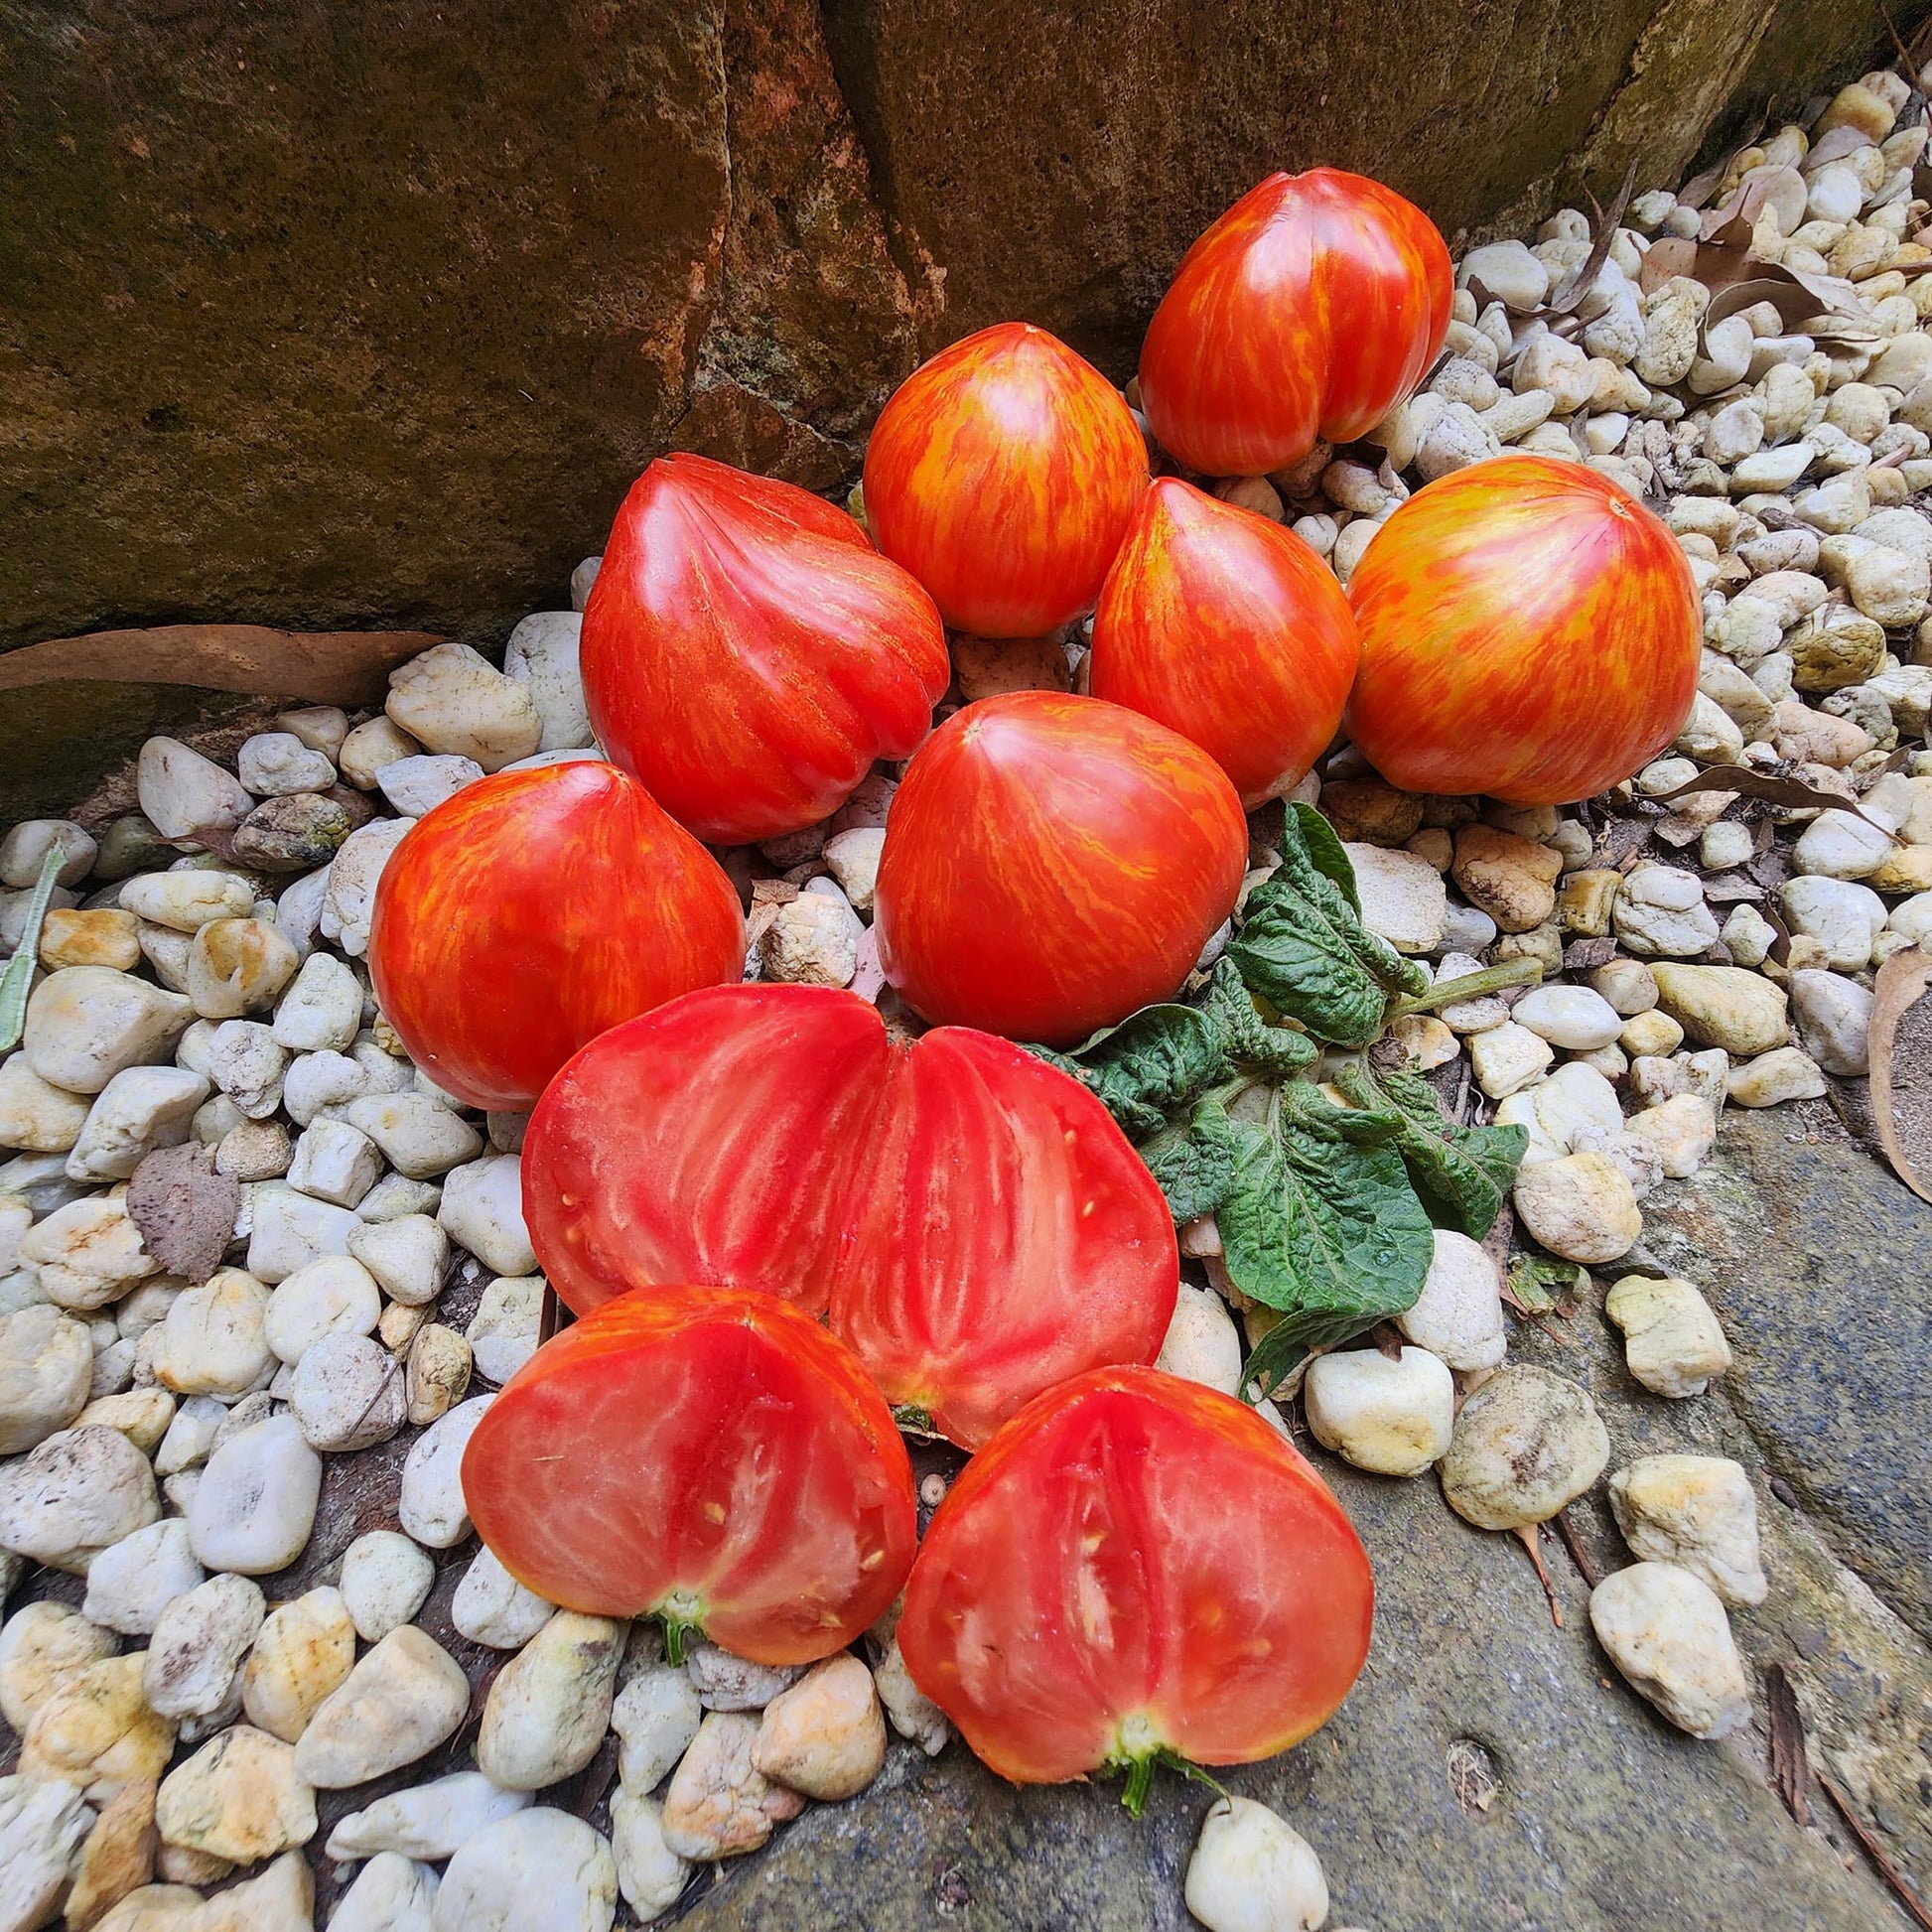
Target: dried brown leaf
1789,1770
1671,254
1781,189
1901,984
1579,285
185,1210
1530,1535
1772,788
1699,187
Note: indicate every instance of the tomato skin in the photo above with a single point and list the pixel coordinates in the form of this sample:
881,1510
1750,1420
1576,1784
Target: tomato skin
1529,630
523,916
1050,864
747,654
1229,630
1002,475
1312,307
1135,1547
705,1441
974,1221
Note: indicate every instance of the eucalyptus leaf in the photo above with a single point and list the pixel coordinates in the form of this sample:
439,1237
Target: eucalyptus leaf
1463,1175
17,981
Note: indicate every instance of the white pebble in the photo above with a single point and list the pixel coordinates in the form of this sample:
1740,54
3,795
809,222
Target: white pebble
385,1579
1667,1632
1250,1872
538,1870
431,1507
256,1500
1392,1416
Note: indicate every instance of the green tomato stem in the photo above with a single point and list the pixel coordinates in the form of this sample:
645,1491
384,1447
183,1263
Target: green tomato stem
1140,1781
1471,986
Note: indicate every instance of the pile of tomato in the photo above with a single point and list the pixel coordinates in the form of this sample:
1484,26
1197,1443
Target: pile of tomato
784,1230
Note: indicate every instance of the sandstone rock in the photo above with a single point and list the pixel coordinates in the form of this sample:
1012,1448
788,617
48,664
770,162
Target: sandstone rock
719,1804
1506,877
42,1645
87,1254
119,1857
1723,1006
94,1730
825,1736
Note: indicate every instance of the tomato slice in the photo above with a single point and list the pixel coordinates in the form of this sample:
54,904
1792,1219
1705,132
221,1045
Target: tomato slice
974,1223
704,1454
1136,1564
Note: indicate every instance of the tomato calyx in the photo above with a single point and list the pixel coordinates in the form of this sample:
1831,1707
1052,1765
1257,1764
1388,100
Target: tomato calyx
914,1419
1139,1751
682,1616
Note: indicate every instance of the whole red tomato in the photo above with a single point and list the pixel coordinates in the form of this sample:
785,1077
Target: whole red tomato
1229,630
1529,630
974,1221
747,654
1136,1564
1312,307
1002,475
1052,862
704,1454
532,911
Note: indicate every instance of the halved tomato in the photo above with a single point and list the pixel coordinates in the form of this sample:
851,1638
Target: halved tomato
704,1454
1135,1566
523,916
974,1221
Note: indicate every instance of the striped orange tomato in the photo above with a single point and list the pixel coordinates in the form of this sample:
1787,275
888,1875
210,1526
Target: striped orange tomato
747,654
1528,630
1002,475
1052,862
523,916
1312,307
1231,630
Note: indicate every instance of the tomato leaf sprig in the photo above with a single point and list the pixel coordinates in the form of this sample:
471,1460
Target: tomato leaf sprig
1326,1212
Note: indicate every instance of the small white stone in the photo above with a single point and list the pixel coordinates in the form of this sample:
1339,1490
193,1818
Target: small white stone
1666,1631
1672,1341
1526,1442
274,765
649,1873
182,793
35,1117
353,874
197,1646
184,902
656,1715
237,1798
45,1374
1683,1130
1581,1207
368,747
322,1009
427,1821
549,1707
1571,1017
728,1682
415,786
334,1296
73,1495
538,1870
23,849
333,1162
825,1736
454,700
1836,847
854,857
133,1581
86,1024
404,1698
1459,1316
1834,1017
246,1062
1510,273
214,1339
1392,1416
813,940
542,656
290,1230
303,1652
419,1137
256,1501
502,1334
348,1394
719,1804
385,1580
1660,913
140,1109
1249,1873
87,1253
431,1507
42,1826
1698,1513
406,1257
1507,1058
1785,1073
911,1713
483,1212
390,1894
491,1608
1202,1343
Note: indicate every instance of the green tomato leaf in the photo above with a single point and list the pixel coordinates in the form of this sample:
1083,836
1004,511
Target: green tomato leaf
1303,946
1193,1161
1320,1222
1462,1173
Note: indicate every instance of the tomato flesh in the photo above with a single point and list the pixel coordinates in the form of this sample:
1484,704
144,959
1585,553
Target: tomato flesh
973,1220
531,911
705,1453
1136,1564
